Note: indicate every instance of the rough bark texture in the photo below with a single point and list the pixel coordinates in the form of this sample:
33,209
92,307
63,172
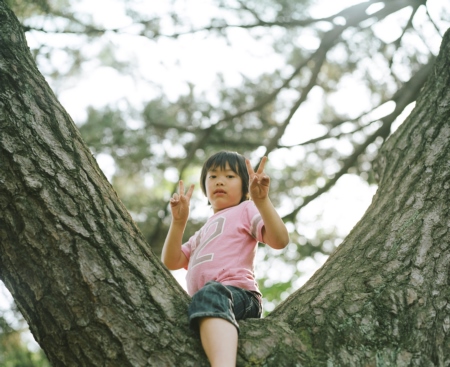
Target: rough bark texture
74,261
95,295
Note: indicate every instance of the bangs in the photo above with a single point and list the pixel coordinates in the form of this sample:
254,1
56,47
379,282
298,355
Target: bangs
220,160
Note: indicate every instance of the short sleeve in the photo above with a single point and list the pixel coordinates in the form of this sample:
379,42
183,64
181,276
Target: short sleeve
254,221
186,249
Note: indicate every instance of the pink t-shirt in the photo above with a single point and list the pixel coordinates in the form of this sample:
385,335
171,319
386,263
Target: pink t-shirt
224,249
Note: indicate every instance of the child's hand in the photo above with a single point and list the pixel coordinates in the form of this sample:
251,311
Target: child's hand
258,186
179,203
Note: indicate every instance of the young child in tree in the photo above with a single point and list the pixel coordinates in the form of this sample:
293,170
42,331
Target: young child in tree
219,257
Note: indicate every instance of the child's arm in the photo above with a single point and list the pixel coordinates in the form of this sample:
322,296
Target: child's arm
172,256
275,233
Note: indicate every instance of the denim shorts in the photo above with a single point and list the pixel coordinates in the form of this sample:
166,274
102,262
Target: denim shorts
225,302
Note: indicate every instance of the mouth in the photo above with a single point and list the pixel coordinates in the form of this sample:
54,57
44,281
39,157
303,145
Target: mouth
219,191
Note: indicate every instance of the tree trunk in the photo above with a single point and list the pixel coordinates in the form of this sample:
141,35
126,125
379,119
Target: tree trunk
94,294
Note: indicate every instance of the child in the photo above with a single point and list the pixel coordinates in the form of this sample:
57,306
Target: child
219,257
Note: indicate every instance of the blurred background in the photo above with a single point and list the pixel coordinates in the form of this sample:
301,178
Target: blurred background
155,87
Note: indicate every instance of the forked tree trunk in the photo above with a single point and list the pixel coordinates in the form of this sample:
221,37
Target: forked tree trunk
94,294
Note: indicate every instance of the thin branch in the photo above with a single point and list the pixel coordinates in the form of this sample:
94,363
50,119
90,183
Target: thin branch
318,58
347,164
408,25
166,126
326,44
403,98
347,13
432,22
329,134
251,11
326,136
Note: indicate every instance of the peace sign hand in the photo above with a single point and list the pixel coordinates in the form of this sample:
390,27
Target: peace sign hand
179,203
259,182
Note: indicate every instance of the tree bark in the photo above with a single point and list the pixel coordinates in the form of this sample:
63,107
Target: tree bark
76,264
94,294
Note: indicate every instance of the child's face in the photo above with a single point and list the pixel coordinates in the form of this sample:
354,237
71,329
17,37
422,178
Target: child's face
223,188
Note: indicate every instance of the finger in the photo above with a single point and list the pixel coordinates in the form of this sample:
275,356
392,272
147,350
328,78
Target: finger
255,181
181,187
265,180
262,165
190,191
249,167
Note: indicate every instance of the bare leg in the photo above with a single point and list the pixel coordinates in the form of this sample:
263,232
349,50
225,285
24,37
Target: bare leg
219,339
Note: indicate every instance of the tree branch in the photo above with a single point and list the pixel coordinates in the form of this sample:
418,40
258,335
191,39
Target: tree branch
402,97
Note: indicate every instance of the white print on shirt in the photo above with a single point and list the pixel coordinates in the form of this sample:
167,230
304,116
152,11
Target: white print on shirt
197,259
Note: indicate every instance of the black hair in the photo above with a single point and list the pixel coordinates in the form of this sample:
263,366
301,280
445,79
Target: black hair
237,164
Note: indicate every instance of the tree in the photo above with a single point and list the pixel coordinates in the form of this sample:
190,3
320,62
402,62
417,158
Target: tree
94,293
315,56
318,55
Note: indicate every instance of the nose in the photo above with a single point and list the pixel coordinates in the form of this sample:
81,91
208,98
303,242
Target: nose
219,182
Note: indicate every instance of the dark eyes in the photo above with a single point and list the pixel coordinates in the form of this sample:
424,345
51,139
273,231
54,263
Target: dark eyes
227,176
